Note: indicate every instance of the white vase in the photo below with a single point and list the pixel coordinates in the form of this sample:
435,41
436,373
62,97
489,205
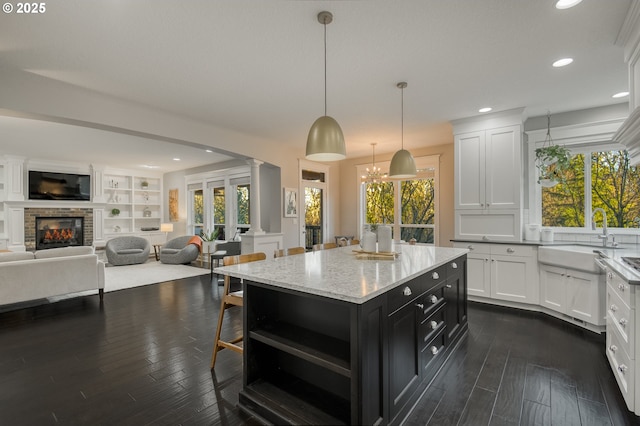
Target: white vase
368,241
384,238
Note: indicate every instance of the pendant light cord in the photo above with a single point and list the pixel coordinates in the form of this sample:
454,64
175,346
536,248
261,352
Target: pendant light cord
325,66
402,118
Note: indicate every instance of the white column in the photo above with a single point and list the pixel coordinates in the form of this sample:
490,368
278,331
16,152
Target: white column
14,174
255,198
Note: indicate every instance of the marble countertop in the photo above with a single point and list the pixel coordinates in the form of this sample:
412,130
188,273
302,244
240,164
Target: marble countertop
337,274
613,259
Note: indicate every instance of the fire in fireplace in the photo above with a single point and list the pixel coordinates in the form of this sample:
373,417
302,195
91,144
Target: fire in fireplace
52,232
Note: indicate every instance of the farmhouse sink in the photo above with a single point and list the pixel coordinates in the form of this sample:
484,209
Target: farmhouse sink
570,256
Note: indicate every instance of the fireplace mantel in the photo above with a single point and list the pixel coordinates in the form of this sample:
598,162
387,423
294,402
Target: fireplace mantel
52,204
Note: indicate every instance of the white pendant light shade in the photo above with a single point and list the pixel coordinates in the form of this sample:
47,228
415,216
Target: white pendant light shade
402,165
326,141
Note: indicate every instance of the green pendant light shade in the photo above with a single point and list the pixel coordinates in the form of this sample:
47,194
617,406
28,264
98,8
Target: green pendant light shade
325,141
402,164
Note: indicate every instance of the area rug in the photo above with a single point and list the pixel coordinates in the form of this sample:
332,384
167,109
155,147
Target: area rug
151,272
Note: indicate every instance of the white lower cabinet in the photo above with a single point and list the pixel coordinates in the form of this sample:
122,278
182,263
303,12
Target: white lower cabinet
622,344
502,272
578,294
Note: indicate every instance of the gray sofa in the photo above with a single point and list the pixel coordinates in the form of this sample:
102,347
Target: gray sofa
179,251
128,250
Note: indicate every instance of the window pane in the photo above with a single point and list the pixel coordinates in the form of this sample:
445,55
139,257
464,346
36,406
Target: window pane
243,205
198,207
563,204
379,202
615,188
417,197
422,235
313,216
218,206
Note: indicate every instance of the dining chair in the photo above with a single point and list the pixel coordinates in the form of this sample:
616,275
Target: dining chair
324,246
230,299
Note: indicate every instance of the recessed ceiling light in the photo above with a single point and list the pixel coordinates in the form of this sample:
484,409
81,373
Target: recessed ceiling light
176,159
485,109
147,166
562,62
566,4
207,150
620,95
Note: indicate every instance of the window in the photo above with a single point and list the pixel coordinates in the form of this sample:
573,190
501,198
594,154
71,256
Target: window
196,209
409,206
601,179
242,205
224,205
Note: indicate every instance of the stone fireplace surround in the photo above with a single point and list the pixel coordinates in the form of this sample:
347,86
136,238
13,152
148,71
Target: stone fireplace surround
30,215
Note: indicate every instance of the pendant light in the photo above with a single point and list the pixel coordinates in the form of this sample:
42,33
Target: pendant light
325,141
374,175
402,164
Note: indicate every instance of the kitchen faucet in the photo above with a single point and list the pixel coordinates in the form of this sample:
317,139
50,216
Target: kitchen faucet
604,237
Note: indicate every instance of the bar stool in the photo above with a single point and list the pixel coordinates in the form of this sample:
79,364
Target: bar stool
229,300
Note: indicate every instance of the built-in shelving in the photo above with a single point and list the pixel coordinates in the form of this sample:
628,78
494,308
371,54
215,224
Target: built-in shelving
140,205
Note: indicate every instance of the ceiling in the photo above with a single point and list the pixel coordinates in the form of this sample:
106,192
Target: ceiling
256,67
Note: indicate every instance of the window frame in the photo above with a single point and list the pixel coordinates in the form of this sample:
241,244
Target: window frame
579,139
423,162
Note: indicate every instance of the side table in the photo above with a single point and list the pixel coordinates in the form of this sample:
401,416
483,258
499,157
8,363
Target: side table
156,251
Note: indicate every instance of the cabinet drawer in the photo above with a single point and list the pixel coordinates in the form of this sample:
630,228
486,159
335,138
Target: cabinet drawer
513,250
622,319
432,355
404,294
474,247
432,300
435,277
623,368
455,267
621,287
431,327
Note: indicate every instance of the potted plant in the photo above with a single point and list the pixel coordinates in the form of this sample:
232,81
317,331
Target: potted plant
208,240
115,212
552,162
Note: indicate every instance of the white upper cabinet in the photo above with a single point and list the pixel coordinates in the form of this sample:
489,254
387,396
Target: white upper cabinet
488,177
489,169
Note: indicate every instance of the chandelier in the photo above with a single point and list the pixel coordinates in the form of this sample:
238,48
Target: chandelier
373,175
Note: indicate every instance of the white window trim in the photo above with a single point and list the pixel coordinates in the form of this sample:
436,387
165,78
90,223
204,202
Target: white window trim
424,162
582,138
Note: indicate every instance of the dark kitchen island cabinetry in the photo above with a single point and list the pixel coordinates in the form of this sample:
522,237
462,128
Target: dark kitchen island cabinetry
330,339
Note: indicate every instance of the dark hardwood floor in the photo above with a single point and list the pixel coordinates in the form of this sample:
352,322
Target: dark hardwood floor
142,357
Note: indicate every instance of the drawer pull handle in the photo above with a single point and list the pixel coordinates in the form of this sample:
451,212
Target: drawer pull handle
613,307
433,299
435,276
433,325
610,275
470,247
510,250
448,285
407,291
621,287
623,368
622,322
613,348
434,350
454,265
420,305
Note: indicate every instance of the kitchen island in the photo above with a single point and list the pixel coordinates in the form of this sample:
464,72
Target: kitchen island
331,339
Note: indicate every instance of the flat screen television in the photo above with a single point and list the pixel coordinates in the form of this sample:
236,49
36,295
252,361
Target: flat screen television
59,186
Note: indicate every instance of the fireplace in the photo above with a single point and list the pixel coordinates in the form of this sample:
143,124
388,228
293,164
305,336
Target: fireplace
52,232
